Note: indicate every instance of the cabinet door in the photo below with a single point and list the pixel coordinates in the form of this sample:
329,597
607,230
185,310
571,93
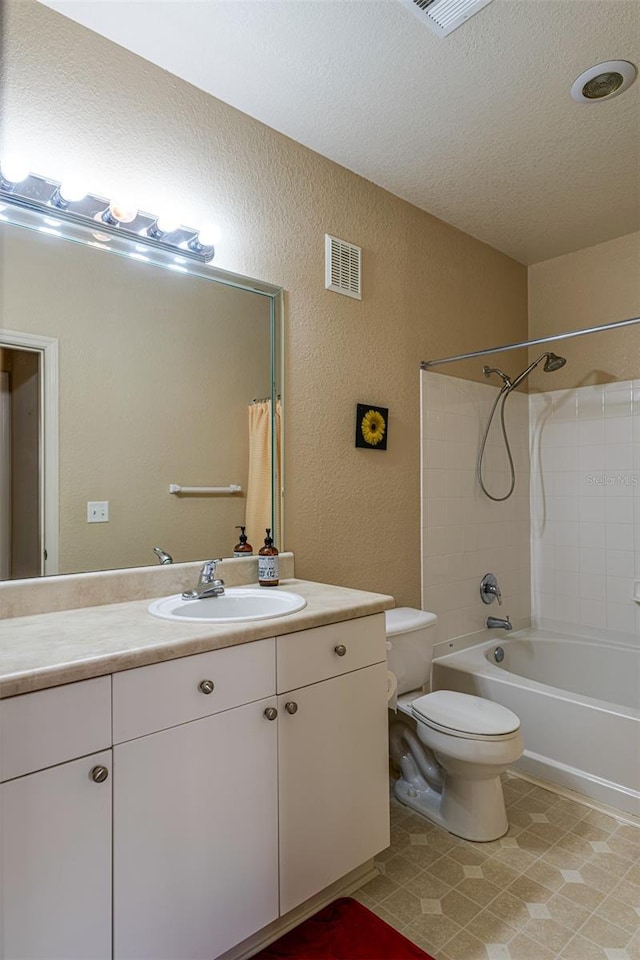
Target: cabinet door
195,836
334,780
55,860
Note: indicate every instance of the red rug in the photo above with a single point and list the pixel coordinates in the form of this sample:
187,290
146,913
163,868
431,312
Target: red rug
345,930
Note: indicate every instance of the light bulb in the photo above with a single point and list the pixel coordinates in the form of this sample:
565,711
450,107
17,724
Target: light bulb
120,211
14,170
167,224
72,190
209,235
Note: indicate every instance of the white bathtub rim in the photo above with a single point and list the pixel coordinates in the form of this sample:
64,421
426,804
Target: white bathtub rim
585,633
474,660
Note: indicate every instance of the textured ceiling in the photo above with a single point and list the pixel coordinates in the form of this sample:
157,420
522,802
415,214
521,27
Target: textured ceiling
477,128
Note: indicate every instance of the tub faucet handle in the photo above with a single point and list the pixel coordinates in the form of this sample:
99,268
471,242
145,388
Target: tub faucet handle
489,589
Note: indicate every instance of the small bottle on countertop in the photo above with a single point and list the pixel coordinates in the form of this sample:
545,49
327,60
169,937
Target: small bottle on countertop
242,549
268,563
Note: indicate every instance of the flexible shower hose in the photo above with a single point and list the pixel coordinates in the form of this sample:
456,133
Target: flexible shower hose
504,393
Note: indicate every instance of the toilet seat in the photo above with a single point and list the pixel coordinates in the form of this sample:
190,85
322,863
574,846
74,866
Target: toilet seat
465,716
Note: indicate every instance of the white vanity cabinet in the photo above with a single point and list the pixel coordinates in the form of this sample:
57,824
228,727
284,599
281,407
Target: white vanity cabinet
332,754
55,823
174,810
195,805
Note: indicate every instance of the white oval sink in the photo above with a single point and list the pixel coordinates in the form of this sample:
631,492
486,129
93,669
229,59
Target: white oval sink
236,605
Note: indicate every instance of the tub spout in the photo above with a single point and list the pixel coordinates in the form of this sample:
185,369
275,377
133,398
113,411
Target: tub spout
502,622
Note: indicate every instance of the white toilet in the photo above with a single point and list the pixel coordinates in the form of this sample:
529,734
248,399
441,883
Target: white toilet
451,769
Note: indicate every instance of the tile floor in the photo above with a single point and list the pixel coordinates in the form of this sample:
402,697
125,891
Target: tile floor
563,884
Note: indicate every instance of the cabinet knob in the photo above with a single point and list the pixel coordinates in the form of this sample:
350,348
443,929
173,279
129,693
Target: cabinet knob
206,686
271,713
99,774
291,707
340,649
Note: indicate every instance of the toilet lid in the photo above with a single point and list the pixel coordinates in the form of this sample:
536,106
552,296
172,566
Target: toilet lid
406,620
462,713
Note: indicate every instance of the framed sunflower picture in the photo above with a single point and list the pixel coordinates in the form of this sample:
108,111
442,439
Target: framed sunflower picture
372,426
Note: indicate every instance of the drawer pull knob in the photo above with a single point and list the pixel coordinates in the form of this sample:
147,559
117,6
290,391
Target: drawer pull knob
206,686
340,649
271,713
291,707
99,774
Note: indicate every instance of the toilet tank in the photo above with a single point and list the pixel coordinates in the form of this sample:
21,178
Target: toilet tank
410,639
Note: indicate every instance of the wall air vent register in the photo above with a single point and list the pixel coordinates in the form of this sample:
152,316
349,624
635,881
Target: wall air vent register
343,267
444,16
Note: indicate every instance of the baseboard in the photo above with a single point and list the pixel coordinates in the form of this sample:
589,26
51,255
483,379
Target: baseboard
341,888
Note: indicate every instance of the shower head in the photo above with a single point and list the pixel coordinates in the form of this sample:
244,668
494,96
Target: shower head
553,362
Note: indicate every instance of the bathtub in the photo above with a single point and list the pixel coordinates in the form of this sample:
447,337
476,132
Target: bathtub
578,702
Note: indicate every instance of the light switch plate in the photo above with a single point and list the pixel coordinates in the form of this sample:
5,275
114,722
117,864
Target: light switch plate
97,511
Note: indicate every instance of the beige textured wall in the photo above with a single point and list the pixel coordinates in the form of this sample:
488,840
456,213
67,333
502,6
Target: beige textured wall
73,99
142,404
596,285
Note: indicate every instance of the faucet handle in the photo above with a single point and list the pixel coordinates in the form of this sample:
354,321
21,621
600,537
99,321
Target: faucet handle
489,589
208,571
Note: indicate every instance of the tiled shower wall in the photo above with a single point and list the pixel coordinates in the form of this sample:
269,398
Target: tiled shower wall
585,509
464,534
567,551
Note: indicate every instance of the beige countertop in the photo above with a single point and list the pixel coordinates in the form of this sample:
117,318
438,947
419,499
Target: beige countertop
49,649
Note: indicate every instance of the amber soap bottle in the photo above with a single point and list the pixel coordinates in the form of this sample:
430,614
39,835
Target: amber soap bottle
242,549
268,563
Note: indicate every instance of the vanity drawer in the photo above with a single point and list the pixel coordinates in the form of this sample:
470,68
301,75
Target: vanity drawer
40,729
164,695
317,654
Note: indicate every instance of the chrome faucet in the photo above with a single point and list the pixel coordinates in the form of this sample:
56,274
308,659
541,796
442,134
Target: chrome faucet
162,555
504,623
208,585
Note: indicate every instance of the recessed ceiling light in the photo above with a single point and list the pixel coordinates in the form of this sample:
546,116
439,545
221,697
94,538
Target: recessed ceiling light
603,81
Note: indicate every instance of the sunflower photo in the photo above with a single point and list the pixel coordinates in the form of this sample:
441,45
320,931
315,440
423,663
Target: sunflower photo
372,425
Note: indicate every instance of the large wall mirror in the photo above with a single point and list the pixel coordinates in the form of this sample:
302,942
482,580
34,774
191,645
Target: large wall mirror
121,375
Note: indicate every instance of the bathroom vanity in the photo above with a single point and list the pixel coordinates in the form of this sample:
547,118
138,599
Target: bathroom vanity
193,783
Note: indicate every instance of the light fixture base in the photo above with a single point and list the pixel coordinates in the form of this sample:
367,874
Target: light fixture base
603,81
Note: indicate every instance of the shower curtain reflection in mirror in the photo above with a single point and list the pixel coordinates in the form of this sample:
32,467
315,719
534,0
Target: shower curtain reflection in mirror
260,495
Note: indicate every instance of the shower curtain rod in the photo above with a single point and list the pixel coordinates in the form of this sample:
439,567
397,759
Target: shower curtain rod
425,364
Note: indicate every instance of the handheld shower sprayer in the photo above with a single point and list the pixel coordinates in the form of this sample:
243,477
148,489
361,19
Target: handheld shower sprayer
552,362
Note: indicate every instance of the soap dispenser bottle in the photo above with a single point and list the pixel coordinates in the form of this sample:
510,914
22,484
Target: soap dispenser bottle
268,563
242,549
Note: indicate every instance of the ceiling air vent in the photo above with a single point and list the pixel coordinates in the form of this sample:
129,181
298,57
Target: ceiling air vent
444,16
343,267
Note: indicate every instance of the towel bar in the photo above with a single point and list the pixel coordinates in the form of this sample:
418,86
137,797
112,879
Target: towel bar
231,488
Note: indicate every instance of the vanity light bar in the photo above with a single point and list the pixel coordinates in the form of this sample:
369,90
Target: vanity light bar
35,192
